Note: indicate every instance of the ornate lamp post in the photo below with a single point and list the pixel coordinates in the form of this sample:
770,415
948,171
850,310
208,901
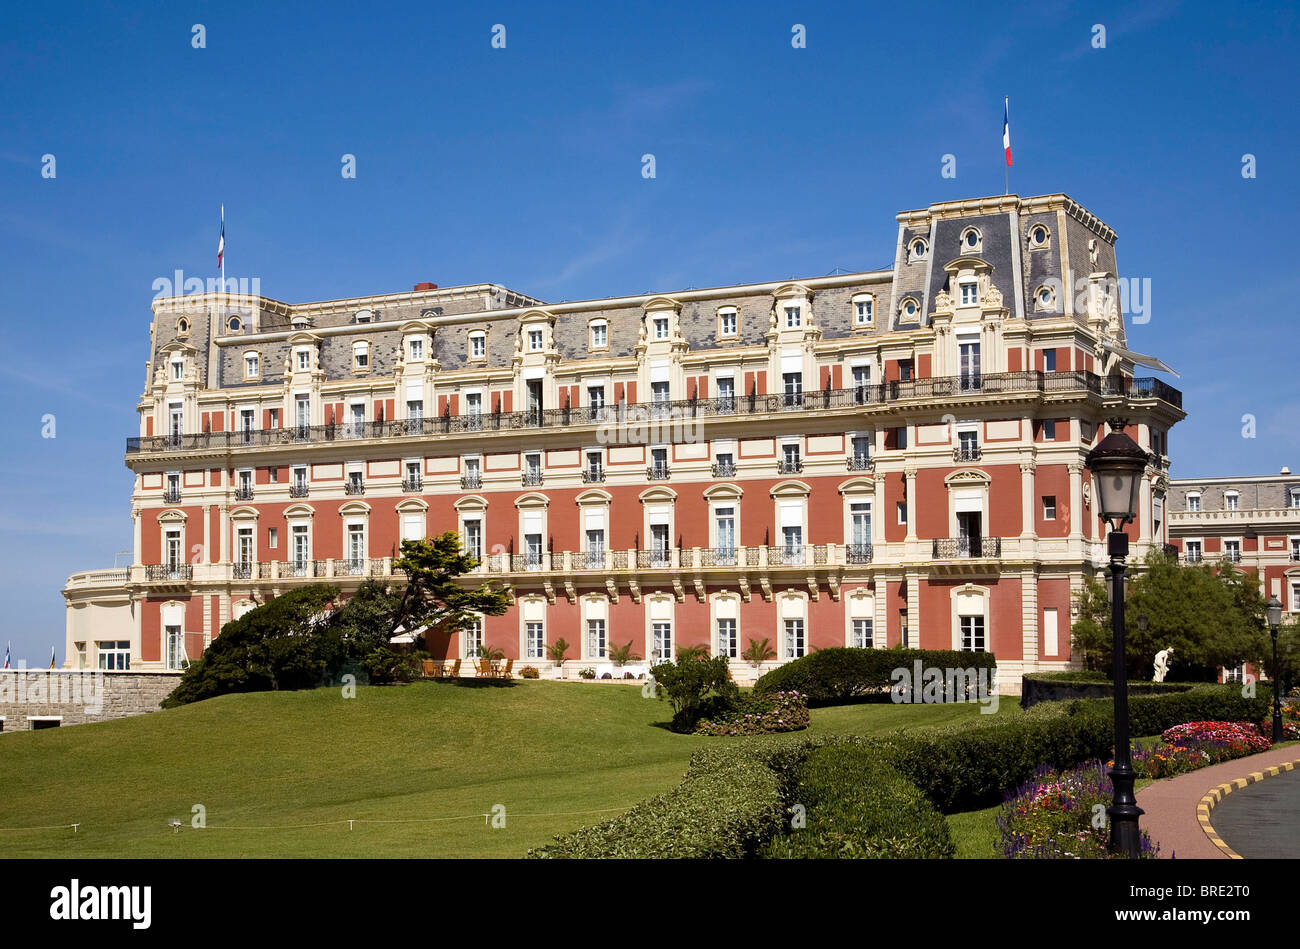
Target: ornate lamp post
1274,620
1118,463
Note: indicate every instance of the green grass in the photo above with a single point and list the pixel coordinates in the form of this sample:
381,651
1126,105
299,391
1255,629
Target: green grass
428,759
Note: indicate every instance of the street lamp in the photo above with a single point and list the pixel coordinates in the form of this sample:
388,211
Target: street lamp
1118,464
1274,611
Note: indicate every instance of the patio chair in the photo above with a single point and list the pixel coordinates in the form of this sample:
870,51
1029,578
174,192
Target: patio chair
451,670
505,673
484,668
430,669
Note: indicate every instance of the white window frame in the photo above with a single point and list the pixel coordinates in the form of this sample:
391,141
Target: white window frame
602,327
868,301
480,338
728,314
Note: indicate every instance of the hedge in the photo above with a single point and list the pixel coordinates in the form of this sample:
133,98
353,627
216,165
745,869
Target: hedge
842,674
1062,686
733,801
860,806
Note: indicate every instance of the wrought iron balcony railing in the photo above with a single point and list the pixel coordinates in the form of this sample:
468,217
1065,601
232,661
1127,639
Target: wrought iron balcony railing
168,571
471,481
753,404
955,548
531,479
789,466
857,553
242,571
244,493
724,469
966,453
657,473
719,557
860,463
655,557
593,475
298,489
354,486
412,484
172,496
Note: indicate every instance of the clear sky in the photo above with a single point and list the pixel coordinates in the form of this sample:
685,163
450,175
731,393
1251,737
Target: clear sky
523,166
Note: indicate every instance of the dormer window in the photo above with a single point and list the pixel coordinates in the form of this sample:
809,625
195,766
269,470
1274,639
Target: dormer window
864,309
252,366
299,322
1194,502
182,327
599,335
971,241
793,317
970,295
478,345
1037,237
234,324
361,357
416,349
909,309
918,249
661,327
302,358
364,316
728,321
1231,500
534,341
1045,298
178,368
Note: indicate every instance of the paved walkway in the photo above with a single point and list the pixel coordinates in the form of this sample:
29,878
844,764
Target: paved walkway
1262,820
1170,804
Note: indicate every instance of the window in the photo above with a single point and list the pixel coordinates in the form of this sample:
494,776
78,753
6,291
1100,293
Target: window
861,384
303,357
473,538
412,481
244,555
1049,360
172,492
596,639
1295,598
251,366
968,445
234,324
473,638
478,345
902,512
534,341
472,478
662,633
862,634
661,327
909,309
972,634
356,548
724,464
272,538
969,363
658,463
182,326
1193,503
244,484
417,349
114,655
1232,551
300,548
794,639
724,535
274,418
970,241
969,293
1295,548
413,526
1049,507
1038,236
1294,502
599,335
1045,298
728,321
793,382
904,633
918,248
175,647
1049,430
726,394
536,640
595,466
860,532
533,469
727,643
1231,499
596,402
860,452
793,317
178,368
659,555
1194,551
356,483
660,396
360,356
791,462
595,547
864,310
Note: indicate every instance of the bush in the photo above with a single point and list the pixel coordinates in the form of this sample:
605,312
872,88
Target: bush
688,682
859,806
841,674
587,673
530,672
730,804
757,715
386,666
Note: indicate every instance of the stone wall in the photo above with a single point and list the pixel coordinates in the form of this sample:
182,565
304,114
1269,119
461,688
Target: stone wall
78,697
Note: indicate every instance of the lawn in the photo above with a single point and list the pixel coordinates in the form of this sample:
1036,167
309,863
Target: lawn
416,768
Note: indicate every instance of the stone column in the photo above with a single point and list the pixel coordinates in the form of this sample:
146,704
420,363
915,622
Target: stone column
914,611
1027,529
910,475
1029,619
1076,501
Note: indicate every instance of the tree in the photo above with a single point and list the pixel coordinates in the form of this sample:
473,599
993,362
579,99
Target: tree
274,646
693,684
1212,616
434,598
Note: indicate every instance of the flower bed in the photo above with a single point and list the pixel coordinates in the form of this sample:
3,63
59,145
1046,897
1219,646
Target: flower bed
1194,745
776,712
1061,815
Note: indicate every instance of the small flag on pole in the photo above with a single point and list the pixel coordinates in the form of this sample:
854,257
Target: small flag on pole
221,242
1006,128
51,657
7,648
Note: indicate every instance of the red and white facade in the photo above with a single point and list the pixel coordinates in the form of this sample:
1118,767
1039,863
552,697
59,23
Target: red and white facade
861,459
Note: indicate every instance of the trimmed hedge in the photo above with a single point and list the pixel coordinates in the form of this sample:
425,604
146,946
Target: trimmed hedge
1063,686
860,807
841,674
734,798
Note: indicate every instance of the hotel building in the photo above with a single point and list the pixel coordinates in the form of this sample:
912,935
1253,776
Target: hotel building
889,456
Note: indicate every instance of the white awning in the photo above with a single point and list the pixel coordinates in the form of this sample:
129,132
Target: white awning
1151,362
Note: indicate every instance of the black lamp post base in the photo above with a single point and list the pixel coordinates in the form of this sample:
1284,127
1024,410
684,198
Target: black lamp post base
1125,836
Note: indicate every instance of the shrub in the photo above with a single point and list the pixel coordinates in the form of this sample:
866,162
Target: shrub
688,682
529,672
587,673
1051,816
756,715
859,806
842,674
387,665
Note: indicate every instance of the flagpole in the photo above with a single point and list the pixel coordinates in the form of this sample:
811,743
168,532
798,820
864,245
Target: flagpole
1006,168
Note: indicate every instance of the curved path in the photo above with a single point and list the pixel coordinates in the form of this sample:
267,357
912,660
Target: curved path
1262,820
1171,805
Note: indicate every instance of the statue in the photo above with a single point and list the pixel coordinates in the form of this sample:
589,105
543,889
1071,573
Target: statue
1162,664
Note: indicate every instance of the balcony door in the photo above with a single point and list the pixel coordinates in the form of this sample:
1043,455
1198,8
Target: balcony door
969,363
970,533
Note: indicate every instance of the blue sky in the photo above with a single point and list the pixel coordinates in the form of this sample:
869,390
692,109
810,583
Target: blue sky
522,166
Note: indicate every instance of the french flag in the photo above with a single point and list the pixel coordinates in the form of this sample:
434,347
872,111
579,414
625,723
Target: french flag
7,647
221,239
1006,127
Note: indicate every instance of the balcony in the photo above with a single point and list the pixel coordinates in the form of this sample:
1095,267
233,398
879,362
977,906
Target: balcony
471,482
175,572
172,496
354,486
657,473
940,387
412,485
531,479
298,489
725,469
857,553
719,557
788,555
961,548
244,492
302,568
861,463
593,475
529,561
966,453
242,571
656,557
789,466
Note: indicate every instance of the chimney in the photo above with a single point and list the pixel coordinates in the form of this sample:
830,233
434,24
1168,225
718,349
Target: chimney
425,286
1285,470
